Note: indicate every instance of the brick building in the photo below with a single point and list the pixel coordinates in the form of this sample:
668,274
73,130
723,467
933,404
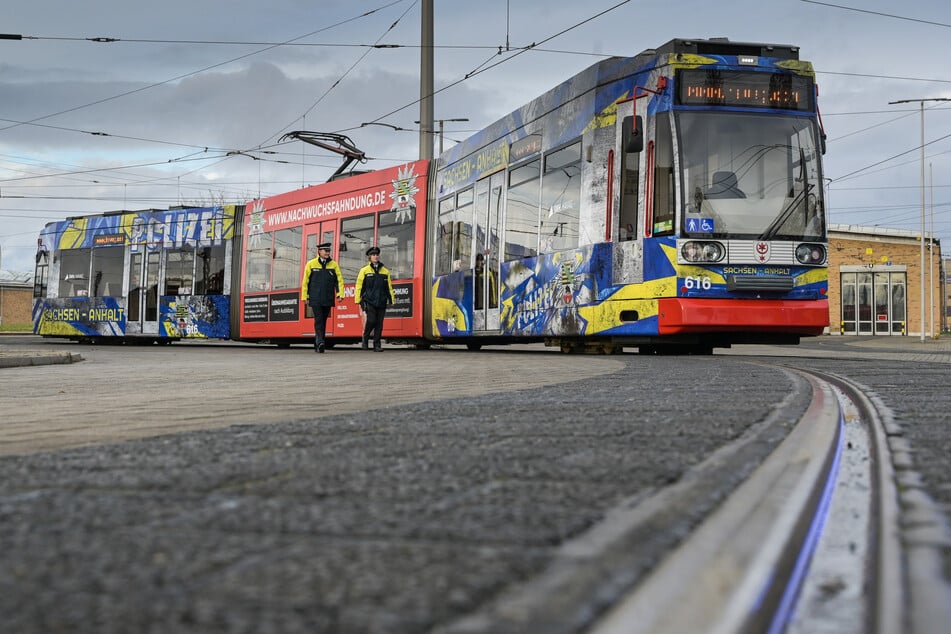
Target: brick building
16,299
875,282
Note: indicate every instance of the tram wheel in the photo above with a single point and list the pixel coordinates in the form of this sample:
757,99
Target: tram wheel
475,347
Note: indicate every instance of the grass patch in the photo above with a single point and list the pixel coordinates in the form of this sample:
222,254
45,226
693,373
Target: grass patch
27,327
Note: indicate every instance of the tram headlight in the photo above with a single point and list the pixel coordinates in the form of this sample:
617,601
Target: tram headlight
694,251
811,253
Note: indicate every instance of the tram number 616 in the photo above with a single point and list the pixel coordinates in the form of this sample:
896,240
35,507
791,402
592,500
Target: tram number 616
698,282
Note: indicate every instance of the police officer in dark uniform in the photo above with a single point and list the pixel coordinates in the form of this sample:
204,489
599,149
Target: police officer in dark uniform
374,290
322,279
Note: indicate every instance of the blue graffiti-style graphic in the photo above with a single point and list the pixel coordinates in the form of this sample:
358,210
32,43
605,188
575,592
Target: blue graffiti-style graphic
80,317
195,316
150,230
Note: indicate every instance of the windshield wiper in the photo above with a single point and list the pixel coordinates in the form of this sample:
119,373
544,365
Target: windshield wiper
787,211
785,214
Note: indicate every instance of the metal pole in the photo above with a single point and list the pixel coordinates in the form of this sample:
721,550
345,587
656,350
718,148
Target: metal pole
931,331
426,82
441,123
921,272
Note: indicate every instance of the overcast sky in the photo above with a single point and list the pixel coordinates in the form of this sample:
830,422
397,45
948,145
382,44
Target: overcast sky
148,121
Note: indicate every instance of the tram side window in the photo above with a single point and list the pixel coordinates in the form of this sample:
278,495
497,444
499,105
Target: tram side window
462,231
258,275
179,271
74,273
210,271
663,178
561,199
41,276
521,217
287,258
444,226
397,240
356,237
107,271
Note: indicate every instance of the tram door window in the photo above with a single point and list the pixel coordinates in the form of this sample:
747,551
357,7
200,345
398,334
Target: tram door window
41,276
630,173
142,305
319,234
483,270
150,316
663,178
134,302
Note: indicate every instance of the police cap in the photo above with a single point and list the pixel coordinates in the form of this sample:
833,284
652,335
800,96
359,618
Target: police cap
373,251
324,245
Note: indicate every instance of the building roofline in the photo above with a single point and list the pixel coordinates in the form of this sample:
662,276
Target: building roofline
891,232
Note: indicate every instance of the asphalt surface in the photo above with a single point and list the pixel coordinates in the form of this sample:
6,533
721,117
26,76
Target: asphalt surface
408,517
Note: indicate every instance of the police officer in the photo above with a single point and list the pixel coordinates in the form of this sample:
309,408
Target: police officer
322,279
373,292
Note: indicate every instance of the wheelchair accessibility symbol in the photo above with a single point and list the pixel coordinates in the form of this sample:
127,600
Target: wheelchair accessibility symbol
700,225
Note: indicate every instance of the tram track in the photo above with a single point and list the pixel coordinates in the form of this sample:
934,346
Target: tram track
746,562
755,563
835,555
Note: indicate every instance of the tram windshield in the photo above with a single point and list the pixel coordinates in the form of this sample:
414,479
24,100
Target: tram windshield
750,176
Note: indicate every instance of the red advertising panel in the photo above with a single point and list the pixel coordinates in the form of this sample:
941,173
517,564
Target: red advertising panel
385,208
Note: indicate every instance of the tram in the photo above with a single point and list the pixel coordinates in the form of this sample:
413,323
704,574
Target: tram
669,202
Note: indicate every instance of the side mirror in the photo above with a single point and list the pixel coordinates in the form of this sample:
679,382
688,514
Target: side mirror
632,134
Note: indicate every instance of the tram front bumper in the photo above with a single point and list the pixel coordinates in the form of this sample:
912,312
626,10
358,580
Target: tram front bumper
802,317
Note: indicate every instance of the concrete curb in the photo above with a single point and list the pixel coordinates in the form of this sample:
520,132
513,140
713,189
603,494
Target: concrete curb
21,359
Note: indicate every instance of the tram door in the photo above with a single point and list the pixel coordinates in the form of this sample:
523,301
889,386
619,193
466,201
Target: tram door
318,233
142,300
485,259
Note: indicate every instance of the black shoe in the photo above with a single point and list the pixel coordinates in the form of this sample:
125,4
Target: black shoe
378,350
320,348
364,345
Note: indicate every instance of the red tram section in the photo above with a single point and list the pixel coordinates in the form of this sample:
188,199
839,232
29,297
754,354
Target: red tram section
384,208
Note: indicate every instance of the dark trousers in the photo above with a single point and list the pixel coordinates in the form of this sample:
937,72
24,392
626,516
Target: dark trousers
374,325
320,323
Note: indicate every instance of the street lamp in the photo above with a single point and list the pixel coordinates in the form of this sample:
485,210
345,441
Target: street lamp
441,122
921,271
385,125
